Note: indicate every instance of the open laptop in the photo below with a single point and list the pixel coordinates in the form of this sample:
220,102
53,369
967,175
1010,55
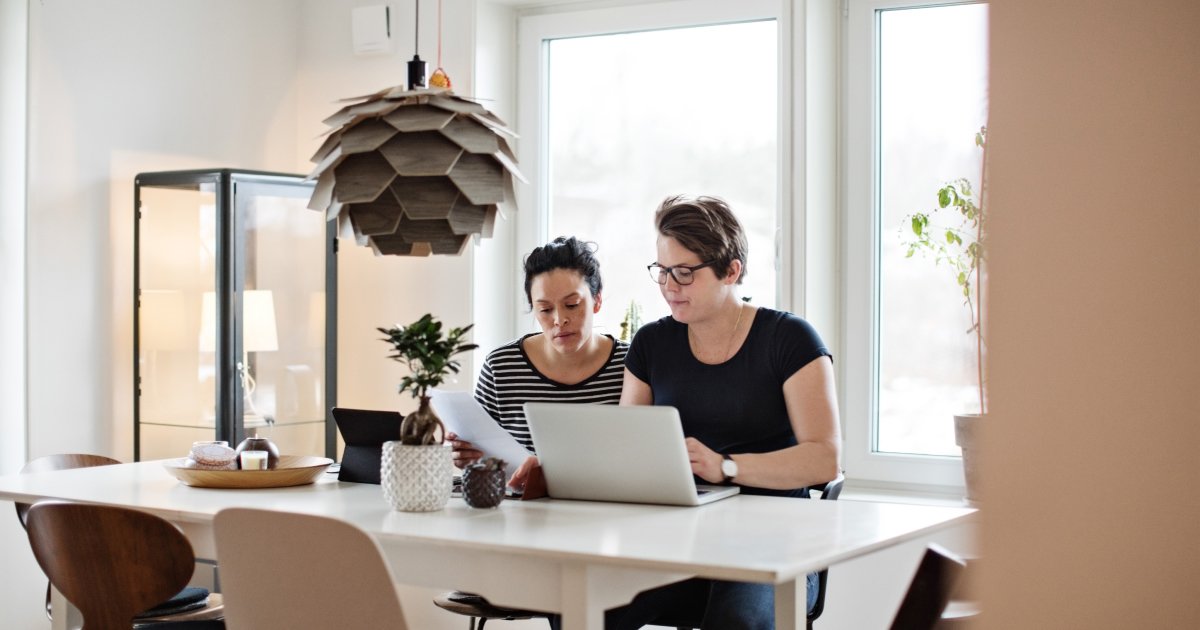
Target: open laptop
364,432
616,453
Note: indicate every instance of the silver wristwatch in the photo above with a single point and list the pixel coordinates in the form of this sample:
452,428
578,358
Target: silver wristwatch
729,468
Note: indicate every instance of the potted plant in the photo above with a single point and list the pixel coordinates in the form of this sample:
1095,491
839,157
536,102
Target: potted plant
417,471
959,244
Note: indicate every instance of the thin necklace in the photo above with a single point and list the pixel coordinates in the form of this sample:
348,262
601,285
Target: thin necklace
732,335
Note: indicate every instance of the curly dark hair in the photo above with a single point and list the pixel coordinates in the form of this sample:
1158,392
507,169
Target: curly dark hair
706,226
564,252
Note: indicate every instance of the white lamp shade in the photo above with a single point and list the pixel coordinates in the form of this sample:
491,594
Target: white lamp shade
258,322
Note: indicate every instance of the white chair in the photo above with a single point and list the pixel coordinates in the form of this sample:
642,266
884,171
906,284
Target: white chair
296,571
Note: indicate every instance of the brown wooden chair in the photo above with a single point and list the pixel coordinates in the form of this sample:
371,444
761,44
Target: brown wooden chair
50,463
64,461
186,600
303,572
114,563
924,605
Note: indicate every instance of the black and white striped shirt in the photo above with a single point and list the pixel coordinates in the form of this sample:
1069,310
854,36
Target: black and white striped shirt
509,380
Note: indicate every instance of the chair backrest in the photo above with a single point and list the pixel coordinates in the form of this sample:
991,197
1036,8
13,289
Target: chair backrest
297,571
61,461
929,591
830,491
110,562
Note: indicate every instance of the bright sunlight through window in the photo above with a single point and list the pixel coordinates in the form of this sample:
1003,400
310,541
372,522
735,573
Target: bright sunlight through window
635,117
932,100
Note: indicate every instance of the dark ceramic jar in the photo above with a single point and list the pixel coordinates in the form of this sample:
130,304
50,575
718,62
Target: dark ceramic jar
483,485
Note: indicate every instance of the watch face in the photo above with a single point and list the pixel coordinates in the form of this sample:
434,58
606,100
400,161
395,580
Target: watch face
729,468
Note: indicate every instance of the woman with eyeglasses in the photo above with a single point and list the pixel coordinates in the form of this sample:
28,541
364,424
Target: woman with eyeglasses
754,388
565,362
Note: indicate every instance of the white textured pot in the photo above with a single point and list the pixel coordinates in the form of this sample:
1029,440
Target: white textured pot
966,434
416,478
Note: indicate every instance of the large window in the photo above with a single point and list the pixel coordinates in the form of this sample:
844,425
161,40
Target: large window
917,96
639,103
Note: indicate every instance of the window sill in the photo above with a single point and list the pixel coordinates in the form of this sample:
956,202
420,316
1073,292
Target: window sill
924,495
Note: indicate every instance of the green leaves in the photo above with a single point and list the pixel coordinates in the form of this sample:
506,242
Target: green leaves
952,238
426,351
919,221
946,196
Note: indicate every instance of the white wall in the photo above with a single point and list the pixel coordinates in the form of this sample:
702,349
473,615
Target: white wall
1092,509
20,589
498,296
116,88
14,74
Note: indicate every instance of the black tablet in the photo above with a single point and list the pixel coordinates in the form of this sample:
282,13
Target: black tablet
364,432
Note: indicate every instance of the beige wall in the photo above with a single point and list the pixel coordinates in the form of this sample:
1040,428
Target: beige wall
1091,517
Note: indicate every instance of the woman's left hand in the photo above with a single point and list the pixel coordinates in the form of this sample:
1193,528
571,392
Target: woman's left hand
706,463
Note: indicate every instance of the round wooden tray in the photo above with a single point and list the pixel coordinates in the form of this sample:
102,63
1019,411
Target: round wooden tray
292,470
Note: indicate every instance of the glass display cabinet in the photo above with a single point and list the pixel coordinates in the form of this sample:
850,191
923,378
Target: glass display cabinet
235,286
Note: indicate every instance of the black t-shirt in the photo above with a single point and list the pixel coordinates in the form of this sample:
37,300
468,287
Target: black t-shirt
736,406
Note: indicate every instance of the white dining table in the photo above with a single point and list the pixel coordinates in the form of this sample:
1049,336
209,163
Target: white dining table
575,557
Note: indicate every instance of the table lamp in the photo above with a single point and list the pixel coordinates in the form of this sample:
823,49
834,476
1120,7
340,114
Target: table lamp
161,327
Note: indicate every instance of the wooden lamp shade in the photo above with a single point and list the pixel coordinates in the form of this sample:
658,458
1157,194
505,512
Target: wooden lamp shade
414,172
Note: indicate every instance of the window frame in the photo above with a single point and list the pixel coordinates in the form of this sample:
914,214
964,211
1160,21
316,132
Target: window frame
860,383
536,26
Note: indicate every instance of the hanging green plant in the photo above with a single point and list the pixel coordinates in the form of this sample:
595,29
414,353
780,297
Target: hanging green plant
959,244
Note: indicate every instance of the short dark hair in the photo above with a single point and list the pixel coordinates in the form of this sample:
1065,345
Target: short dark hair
564,252
707,226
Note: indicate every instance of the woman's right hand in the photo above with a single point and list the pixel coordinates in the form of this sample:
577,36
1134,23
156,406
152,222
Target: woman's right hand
521,474
464,451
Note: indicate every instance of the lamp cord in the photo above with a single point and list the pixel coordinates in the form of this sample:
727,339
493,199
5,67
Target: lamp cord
248,386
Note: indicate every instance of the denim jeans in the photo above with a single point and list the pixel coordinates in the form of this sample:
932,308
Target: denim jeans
710,604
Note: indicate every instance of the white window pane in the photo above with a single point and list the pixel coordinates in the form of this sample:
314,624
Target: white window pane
635,117
933,99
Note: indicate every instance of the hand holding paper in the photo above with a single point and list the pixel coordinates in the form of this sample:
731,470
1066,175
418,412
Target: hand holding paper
463,415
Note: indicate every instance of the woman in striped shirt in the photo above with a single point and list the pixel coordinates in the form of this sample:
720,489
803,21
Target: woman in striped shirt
566,361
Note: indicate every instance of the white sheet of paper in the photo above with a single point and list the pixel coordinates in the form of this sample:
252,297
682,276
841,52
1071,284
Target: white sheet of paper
462,414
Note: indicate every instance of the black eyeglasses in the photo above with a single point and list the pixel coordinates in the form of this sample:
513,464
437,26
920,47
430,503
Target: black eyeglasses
683,274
